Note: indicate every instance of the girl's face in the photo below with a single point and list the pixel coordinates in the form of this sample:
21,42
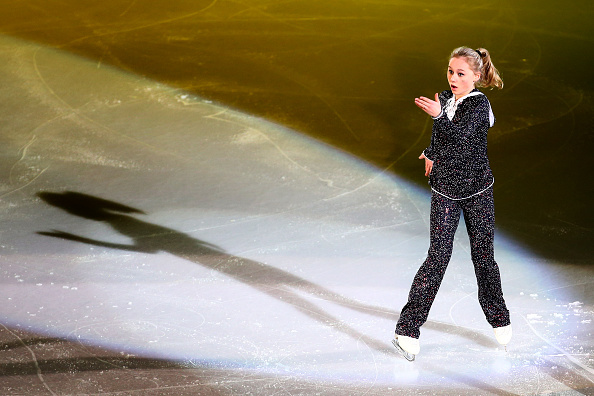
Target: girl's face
461,77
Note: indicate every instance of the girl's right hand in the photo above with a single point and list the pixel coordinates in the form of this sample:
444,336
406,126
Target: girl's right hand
428,164
431,107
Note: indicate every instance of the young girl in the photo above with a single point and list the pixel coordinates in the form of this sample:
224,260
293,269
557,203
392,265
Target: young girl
461,181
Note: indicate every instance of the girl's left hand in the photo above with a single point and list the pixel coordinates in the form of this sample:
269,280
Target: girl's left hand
431,107
428,164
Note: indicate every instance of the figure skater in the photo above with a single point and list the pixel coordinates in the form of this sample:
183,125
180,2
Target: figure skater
461,181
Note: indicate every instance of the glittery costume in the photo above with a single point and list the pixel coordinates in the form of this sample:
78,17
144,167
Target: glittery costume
459,146
461,181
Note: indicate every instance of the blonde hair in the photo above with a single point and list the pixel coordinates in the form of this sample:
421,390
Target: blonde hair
479,61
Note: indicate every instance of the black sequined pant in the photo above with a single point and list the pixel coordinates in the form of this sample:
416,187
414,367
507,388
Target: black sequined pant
479,216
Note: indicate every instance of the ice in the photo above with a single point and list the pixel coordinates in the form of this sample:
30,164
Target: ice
161,238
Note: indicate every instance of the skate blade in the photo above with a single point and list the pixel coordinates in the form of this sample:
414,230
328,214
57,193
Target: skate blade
408,356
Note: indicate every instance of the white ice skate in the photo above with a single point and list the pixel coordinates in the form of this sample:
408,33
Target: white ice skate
503,335
407,346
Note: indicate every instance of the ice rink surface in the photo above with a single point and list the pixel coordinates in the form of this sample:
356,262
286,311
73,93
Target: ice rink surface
159,240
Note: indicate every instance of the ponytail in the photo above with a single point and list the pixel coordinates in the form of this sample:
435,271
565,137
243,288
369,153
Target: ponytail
489,75
479,61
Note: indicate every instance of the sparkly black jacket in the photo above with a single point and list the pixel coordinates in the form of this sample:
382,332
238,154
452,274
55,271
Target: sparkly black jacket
459,148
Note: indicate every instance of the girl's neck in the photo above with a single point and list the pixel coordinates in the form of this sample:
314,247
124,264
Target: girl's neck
463,95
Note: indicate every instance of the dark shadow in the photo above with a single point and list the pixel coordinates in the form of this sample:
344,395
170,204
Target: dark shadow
151,238
274,282
28,358
82,364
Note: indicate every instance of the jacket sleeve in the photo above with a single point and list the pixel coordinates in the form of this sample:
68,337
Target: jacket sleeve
428,152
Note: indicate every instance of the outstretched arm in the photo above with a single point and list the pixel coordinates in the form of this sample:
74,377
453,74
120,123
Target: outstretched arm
431,107
77,238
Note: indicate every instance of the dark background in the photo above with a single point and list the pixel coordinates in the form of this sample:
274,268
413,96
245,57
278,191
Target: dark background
346,73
